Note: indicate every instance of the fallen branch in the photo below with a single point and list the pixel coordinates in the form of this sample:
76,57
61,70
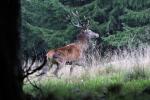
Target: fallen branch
29,71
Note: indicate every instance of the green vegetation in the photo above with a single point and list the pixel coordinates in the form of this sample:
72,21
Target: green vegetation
107,87
124,76
46,23
120,23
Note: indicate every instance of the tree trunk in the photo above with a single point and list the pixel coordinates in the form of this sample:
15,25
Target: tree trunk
10,69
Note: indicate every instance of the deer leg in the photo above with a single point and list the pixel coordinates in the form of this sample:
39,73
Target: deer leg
60,63
71,68
56,70
49,63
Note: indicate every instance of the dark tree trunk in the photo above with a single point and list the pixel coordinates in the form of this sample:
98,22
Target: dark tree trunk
10,69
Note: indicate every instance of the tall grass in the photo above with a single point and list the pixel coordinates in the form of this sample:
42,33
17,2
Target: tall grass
121,74
132,63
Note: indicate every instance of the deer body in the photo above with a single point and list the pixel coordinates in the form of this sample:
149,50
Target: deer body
72,52
68,53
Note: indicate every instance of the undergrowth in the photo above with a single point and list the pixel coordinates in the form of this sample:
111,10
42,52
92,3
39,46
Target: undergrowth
125,77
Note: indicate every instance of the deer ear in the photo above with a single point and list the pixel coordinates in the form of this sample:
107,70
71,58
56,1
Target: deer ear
84,27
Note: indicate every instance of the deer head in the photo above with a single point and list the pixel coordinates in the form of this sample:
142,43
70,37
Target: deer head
83,25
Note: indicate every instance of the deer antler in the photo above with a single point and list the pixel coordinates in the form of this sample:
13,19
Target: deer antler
77,22
86,23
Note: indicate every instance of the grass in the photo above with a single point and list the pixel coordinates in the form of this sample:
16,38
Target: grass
96,88
107,86
122,77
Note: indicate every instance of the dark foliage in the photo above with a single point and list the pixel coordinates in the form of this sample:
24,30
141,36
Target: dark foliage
120,24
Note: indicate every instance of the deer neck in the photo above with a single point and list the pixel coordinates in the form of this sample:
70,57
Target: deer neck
83,42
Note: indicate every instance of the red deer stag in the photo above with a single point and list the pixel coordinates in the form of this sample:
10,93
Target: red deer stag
72,52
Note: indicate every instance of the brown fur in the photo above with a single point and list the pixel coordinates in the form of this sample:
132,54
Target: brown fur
69,53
